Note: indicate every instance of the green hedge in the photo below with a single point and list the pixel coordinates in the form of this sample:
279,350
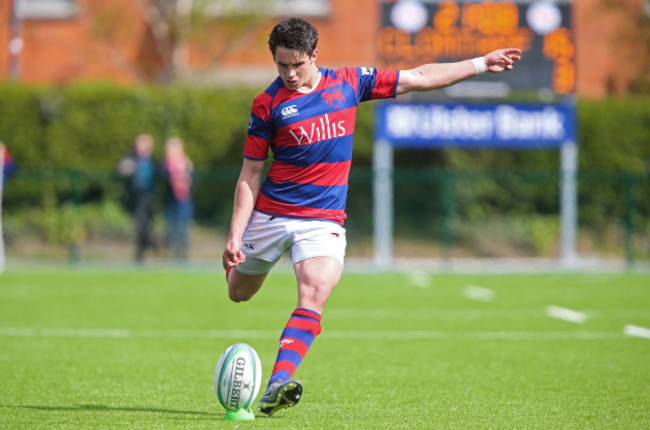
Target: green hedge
87,128
90,126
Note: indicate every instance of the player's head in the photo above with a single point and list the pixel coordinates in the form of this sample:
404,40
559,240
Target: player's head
174,147
293,45
144,145
294,34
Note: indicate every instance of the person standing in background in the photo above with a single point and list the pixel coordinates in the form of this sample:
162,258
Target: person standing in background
139,169
7,163
179,207
7,167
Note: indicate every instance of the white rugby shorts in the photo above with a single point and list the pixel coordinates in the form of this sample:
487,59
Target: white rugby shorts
267,237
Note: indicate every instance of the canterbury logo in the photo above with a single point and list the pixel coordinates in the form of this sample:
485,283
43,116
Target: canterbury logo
334,99
289,111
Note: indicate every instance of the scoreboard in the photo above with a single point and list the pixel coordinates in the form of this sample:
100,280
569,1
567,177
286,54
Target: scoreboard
416,32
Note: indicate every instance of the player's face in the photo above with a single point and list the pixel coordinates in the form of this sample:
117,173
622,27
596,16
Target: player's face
297,69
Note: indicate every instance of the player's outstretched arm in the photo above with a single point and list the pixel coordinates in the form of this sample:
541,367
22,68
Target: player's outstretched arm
434,76
248,187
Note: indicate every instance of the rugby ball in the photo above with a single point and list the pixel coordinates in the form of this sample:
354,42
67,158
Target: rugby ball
238,377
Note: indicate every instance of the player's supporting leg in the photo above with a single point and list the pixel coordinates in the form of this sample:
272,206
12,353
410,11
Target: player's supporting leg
316,277
297,337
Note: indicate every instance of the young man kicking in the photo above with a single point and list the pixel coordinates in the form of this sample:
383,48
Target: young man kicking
307,117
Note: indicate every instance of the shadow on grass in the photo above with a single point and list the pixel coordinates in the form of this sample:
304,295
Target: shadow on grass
81,408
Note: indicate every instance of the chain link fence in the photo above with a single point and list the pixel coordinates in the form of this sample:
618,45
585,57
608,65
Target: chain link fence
75,216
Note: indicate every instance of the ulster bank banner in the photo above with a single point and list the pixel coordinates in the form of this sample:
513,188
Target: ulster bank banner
466,125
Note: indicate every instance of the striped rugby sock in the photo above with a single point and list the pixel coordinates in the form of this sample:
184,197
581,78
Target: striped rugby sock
297,337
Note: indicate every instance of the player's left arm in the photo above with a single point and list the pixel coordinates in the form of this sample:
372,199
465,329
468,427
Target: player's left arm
433,76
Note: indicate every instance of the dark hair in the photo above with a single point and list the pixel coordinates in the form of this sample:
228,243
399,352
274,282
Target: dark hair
294,34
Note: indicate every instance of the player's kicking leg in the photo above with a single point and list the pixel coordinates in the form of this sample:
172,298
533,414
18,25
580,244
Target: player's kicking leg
241,286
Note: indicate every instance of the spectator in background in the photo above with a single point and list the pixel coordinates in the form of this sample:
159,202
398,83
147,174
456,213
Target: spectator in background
179,208
139,169
7,167
6,162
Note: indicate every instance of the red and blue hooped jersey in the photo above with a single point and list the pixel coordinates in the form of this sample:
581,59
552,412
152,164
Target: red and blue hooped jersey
310,136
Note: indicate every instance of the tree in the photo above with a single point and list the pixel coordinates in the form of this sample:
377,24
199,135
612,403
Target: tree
174,25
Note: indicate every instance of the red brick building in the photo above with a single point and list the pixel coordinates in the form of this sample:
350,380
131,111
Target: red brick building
64,41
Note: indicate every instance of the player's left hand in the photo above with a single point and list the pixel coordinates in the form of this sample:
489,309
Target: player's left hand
502,59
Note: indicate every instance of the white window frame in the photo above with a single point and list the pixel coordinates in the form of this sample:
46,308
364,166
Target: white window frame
306,8
46,9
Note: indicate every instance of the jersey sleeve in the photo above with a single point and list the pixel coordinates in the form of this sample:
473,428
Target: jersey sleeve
376,83
260,130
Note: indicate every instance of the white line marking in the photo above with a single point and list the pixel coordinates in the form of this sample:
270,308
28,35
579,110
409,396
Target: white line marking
636,331
481,294
127,333
474,335
65,332
566,314
420,279
468,314
432,314
117,333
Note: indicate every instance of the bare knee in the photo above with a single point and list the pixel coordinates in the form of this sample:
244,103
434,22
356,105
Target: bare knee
242,288
239,295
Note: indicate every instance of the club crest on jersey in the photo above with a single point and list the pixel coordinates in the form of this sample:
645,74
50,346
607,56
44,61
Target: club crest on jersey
289,111
334,98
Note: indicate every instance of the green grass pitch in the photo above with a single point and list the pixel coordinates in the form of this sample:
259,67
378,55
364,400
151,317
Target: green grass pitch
97,349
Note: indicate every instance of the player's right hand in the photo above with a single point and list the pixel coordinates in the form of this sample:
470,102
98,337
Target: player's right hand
232,255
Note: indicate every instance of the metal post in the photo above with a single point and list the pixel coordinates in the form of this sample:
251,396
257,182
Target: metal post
568,203
382,162
74,251
446,206
630,183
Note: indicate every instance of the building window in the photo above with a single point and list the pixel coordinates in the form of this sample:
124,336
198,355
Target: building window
46,9
307,8
302,7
